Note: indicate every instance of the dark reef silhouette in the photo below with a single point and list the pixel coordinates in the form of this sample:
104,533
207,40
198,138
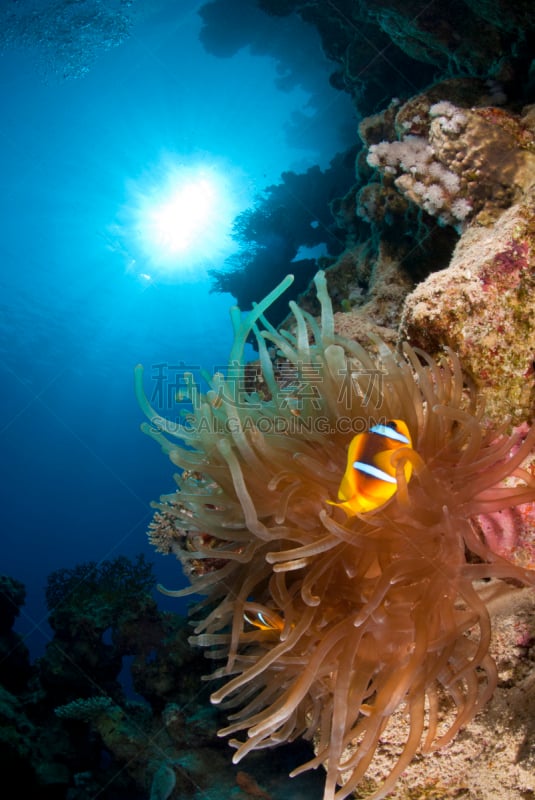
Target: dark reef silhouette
290,218
72,727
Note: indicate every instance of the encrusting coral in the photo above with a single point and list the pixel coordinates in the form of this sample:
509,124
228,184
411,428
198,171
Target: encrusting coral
330,624
455,162
483,307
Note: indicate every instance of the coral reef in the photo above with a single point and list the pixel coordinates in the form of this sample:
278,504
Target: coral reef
456,163
428,229
445,184
85,603
483,307
394,44
334,627
14,655
70,730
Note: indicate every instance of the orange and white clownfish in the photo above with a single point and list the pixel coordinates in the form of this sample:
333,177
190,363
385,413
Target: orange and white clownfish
370,477
262,618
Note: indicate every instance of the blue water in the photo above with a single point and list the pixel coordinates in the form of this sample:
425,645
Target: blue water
79,304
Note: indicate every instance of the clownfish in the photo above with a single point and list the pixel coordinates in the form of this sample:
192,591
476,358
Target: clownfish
263,618
370,477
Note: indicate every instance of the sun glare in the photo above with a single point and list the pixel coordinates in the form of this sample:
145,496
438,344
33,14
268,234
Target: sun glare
176,224
178,221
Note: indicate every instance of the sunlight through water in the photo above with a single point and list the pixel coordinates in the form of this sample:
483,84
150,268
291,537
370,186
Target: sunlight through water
177,222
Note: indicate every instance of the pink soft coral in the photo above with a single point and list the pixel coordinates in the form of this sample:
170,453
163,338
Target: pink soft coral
510,532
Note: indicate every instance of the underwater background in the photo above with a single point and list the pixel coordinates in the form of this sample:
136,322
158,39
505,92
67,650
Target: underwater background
162,162
96,113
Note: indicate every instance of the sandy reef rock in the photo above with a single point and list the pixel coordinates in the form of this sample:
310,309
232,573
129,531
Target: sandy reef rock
493,757
483,307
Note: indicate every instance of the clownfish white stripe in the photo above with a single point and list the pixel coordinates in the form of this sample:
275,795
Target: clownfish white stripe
374,472
390,433
251,621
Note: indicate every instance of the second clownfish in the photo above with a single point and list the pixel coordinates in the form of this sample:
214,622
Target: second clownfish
262,618
370,477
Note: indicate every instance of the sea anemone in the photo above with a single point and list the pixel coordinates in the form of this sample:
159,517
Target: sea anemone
326,624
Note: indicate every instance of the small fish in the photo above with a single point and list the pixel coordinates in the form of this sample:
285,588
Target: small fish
370,478
263,618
